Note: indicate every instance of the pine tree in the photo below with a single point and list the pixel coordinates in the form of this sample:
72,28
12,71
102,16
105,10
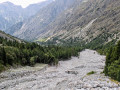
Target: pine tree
4,56
118,76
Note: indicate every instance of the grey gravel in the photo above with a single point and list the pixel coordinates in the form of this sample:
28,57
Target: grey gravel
68,75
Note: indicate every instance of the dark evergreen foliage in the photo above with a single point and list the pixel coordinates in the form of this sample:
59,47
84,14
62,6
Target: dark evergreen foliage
112,67
15,53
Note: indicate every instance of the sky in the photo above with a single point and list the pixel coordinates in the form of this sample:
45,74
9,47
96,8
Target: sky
23,3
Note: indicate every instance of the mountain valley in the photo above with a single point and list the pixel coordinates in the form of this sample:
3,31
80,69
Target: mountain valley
60,45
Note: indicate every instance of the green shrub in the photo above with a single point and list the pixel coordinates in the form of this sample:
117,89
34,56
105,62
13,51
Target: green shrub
32,61
92,72
2,68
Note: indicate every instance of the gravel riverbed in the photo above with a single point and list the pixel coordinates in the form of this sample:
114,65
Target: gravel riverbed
68,75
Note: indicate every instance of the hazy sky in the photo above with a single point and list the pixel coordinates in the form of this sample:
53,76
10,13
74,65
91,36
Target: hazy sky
23,3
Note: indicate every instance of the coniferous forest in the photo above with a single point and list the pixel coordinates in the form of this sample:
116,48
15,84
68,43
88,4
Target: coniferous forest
112,67
13,53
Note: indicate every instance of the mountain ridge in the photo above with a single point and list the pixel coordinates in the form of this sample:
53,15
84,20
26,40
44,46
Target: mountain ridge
13,14
9,37
98,11
82,21
42,19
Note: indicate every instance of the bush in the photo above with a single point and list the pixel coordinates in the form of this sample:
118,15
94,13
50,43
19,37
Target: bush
24,61
32,61
92,72
2,68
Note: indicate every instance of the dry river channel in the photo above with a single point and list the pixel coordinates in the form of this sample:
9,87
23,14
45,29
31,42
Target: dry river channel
68,75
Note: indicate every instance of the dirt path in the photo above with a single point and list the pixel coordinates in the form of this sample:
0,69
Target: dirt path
69,75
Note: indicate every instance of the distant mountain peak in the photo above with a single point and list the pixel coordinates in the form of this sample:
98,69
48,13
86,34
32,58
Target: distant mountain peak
7,2
11,13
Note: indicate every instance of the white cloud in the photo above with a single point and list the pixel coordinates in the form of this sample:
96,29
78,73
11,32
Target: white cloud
23,3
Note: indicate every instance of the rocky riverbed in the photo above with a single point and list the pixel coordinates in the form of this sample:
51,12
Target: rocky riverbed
68,75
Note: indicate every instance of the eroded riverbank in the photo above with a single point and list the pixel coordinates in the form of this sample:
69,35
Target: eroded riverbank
68,75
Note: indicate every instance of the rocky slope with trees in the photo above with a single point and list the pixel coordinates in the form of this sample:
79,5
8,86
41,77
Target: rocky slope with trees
78,21
14,52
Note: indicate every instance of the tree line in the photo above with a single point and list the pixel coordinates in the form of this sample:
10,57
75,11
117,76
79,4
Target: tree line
13,53
112,64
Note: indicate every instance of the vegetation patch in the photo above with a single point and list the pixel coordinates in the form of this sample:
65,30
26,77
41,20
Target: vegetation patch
2,68
90,73
112,64
41,40
114,81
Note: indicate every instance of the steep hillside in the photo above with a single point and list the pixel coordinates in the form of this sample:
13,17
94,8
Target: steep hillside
34,8
78,21
9,37
36,25
3,22
11,14
89,21
14,28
